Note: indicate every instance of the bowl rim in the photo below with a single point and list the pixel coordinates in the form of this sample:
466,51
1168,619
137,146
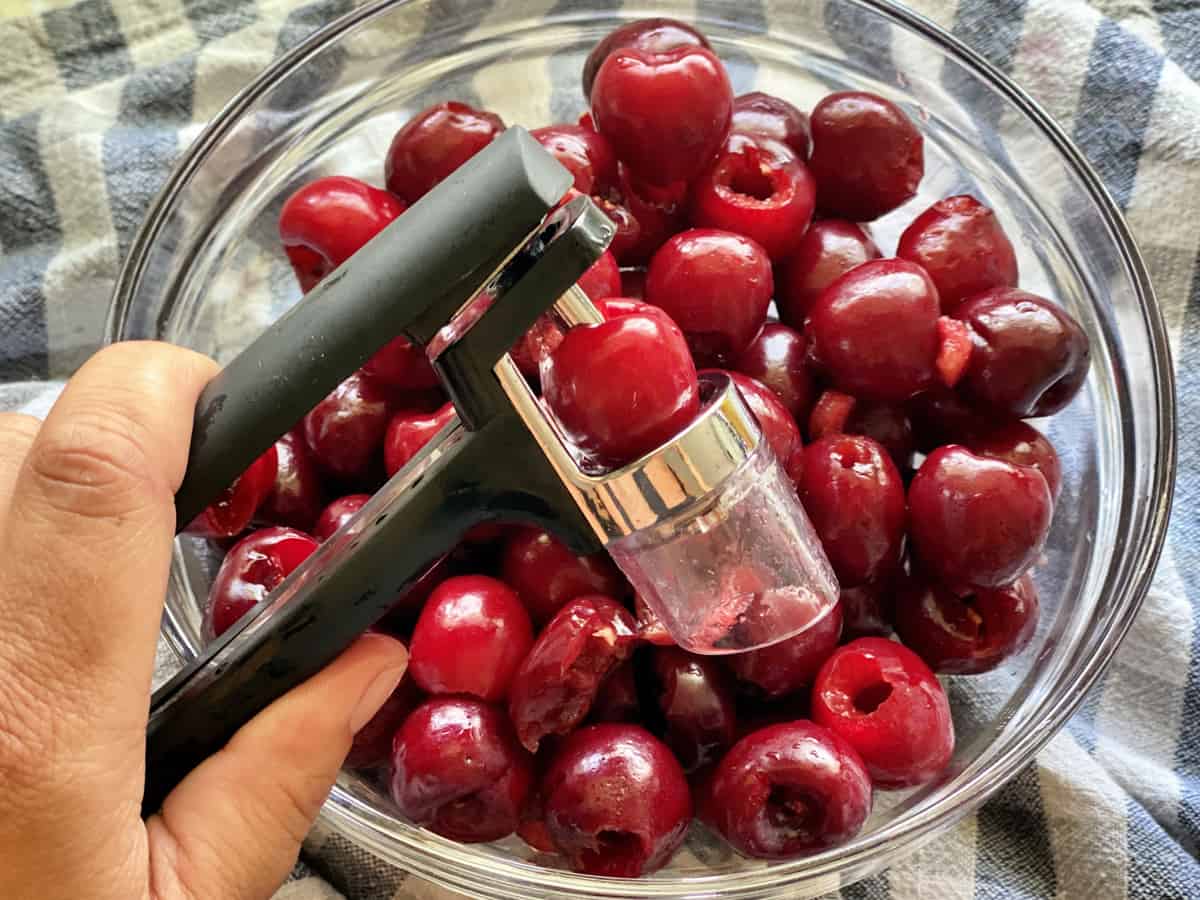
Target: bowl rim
431,856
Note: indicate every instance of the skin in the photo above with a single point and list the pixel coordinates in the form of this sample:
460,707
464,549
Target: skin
86,523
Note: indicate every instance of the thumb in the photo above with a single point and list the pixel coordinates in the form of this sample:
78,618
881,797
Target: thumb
233,827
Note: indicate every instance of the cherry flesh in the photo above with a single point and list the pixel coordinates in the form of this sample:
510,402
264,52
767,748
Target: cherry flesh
408,432
828,250
253,568
776,357
790,665
1023,445
345,430
652,35
768,116
695,699
433,144
298,495
779,429
232,511
337,514
546,574
585,153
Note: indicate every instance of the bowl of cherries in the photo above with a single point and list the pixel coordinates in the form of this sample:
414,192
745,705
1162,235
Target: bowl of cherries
922,293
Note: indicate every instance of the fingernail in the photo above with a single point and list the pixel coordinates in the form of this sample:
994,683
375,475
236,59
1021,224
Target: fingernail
374,697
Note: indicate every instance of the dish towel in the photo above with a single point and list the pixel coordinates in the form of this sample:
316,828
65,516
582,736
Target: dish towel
99,97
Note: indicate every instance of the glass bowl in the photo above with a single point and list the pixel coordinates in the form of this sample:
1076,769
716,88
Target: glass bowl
207,271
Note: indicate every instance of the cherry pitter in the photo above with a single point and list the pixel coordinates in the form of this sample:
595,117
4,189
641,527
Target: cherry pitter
707,528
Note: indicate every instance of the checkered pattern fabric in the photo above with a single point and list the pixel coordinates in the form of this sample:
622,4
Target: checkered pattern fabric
99,97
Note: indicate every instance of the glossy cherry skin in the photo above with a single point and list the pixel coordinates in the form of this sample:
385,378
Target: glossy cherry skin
788,790
409,431
854,496
233,510
603,279
345,430
298,495
585,153
695,699
655,35
666,114
776,357
779,429
960,243
645,215
372,745
968,634
790,665
881,699
828,250
327,221
874,330
1030,356
253,568
433,144
559,679
546,574
623,387
617,700
337,514
758,189
771,117
402,364
716,286
616,802
868,157
1022,444
977,521
472,635
458,770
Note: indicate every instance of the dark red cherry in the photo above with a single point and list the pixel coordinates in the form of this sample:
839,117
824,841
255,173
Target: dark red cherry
778,427
433,144
408,432
776,357
345,430
696,702
585,153
867,608
232,511
403,365
655,35
337,514
617,700
253,568
298,495
941,416
789,665
828,250
545,574
1021,444
771,117
887,423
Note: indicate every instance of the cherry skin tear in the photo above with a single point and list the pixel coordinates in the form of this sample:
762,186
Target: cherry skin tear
546,574
828,250
254,567
696,702
765,115
790,665
408,432
433,144
652,35
337,514
776,357
233,510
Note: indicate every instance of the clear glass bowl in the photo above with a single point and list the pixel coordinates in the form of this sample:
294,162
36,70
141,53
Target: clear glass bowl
206,271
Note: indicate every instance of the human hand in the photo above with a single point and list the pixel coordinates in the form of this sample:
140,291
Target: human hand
86,525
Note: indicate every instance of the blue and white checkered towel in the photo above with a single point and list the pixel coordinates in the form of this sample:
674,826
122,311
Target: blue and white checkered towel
98,98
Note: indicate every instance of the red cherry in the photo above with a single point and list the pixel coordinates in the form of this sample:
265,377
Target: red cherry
695,699
545,574
586,154
787,666
959,242
345,430
1020,444
827,251
232,511
617,700
716,286
327,221
666,114
867,157
788,790
254,567
559,679
433,144
472,635
616,802
337,514
778,428
941,416
615,307
623,387
771,117
372,745
408,432
603,279
867,609
402,364
874,330
886,423
297,497
968,634
458,770
758,189
653,35
977,521
776,357
883,701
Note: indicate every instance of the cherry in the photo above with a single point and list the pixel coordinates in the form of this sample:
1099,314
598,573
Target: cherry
874,330
616,802
1030,356
653,35
433,144
695,699
968,634
886,423
458,770
788,790
408,432
602,279
297,497
881,699
854,496
867,156
867,609
1023,445
327,221
232,511
977,521
768,116
959,242
633,284
337,514
716,286
776,357
615,307
666,114
940,416
650,628
345,430
372,745
545,574
758,189
617,700
559,679
785,667
778,428
828,250
585,153
622,387
402,364
253,568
